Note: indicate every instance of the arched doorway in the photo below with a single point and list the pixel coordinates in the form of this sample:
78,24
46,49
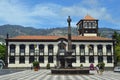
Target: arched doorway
61,54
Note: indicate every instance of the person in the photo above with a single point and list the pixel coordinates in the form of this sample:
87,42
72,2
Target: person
97,68
101,69
31,66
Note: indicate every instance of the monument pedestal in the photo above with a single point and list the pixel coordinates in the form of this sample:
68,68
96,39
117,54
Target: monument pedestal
70,71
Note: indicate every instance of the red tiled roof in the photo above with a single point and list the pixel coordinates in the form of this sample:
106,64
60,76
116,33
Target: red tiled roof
88,17
58,37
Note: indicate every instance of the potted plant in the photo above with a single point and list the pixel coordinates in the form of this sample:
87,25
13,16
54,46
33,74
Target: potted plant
81,66
48,66
101,66
36,65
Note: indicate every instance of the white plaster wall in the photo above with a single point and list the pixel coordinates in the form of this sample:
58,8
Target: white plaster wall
90,34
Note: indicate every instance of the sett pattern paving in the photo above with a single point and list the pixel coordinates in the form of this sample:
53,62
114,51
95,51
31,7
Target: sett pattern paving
46,75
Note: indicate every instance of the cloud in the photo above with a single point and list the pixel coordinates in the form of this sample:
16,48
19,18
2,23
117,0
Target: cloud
49,14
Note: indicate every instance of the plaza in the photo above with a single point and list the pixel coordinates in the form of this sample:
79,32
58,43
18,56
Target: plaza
46,75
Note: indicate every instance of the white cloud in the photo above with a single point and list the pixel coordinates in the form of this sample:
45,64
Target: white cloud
49,14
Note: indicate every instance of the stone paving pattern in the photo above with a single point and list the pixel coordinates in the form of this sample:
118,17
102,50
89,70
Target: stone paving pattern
46,75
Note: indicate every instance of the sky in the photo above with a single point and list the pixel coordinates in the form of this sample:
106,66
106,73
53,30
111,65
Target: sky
54,13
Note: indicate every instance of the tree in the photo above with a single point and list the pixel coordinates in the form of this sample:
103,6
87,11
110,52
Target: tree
2,52
116,36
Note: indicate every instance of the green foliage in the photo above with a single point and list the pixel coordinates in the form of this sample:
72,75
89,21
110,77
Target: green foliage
48,66
2,52
117,53
101,64
81,65
116,36
35,64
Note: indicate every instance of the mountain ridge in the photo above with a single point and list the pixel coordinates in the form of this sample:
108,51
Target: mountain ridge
16,30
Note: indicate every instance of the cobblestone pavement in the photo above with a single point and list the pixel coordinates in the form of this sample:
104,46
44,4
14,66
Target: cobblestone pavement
46,75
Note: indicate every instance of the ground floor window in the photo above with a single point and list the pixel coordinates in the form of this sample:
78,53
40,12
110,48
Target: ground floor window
12,59
22,59
31,59
91,59
50,59
100,59
41,59
74,59
82,59
109,59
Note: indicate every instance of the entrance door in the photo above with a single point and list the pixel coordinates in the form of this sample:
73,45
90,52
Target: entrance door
62,63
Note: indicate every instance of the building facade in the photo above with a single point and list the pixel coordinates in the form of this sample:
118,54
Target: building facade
87,48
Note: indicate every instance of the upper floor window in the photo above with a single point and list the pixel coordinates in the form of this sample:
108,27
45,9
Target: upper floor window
91,49
50,49
74,48
31,48
82,49
12,48
100,50
108,49
41,48
22,48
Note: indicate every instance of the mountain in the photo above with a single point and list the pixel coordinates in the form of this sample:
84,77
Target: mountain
15,30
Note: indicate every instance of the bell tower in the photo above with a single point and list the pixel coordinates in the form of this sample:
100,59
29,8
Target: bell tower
88,26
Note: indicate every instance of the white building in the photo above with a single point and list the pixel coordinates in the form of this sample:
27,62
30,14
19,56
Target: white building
88,48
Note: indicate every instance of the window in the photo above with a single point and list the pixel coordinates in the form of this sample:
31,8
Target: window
109,59
74,49
41,59
12,48
99,48
32,49
82,49
12,59
41,49
31,59
50,49
22,59
91,59
50,59
85,25
22,48
91,49
82,59
100,59
108,47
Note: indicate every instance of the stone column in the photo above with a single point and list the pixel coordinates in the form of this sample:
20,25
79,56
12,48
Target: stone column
27,54
55,54
17,54
112,49
55,49
77,50
77,61
96,59
86,50
95,50
36,52
46,54
104,50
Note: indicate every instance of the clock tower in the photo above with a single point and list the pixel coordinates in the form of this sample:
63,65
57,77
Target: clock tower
88,26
